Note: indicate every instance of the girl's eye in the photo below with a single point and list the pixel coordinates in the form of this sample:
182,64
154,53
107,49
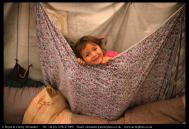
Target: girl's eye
94,49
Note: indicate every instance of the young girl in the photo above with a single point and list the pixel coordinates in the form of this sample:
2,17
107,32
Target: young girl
89,50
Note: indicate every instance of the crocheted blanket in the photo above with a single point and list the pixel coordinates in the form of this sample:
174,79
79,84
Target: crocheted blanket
138,75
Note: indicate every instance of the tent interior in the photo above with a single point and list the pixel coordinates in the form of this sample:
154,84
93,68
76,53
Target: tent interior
123,25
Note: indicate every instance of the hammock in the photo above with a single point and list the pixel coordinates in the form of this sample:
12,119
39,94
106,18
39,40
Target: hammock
138,75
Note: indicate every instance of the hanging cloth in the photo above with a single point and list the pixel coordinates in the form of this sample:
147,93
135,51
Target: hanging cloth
18,73
138,75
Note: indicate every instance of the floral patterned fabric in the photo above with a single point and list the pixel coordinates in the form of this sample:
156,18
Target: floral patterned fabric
138,75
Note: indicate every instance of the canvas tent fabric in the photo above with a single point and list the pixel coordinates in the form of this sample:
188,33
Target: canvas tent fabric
16,101
138,75
78,19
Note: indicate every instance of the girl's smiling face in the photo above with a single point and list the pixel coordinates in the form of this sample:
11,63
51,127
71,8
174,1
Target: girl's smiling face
92,53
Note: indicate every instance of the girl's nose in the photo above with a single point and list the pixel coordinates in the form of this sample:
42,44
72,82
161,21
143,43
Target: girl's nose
93,53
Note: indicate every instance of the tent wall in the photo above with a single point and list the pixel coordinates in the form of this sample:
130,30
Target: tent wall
122,24
10,38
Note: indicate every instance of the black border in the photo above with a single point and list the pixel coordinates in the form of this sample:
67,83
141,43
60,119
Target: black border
88,125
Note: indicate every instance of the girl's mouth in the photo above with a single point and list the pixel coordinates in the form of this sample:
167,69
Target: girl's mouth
96,59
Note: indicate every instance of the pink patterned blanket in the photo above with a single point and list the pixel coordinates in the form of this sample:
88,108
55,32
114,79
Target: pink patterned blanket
138,75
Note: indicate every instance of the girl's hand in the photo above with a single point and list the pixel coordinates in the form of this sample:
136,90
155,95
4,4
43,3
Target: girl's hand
80,61
106,60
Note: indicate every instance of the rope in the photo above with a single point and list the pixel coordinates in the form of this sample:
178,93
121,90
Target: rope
18,7
29,36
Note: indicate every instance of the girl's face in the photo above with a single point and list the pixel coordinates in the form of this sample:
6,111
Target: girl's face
92,53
